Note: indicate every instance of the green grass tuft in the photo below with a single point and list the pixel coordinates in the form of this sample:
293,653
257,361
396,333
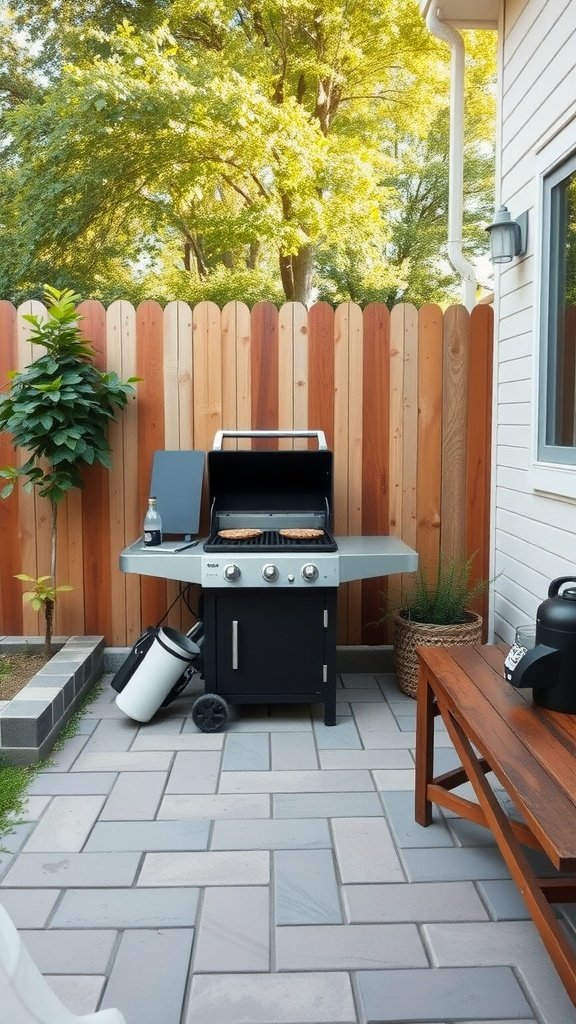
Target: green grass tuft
15,779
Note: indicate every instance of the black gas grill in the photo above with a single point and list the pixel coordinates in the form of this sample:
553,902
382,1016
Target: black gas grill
270,601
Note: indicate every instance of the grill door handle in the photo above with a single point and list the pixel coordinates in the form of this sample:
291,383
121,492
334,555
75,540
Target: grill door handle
221,434
234,644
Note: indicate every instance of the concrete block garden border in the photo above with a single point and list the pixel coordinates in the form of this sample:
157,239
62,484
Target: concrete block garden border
31,722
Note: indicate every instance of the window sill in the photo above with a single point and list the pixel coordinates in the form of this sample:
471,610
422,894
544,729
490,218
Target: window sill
554,480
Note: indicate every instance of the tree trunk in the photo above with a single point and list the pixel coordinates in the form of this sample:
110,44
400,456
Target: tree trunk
49,614
302,267
296,273
287,277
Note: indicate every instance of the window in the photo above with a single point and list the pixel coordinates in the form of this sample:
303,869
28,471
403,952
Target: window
557,425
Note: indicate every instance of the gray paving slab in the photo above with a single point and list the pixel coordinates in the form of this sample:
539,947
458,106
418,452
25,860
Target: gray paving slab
216,867
359,680
342,736
6,861
296,782
149,976
245,752
434,995
306,888
271,834
386,758
234,930
293,751
160,726
123,761
326,805
72,783
135,796
194,772
70,951
65,824
454,865
394,779
148,835
114,734
503,899
178,741
216,805
344,711
468,833
34,870
399,807
349,947
484,944
362,695
278,720
28,908
14,839
80,993
413,901
33,807
86,726
63,759
314,998
126,908
365,851
372,720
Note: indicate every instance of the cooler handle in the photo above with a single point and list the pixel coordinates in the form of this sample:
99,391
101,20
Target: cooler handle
556,584
221,434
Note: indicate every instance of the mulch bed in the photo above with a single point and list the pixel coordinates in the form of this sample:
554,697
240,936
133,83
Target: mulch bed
16,670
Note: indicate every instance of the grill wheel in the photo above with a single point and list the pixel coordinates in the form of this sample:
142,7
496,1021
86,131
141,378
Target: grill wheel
210,712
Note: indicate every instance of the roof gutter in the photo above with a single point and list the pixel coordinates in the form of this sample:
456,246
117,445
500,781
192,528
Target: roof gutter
456,256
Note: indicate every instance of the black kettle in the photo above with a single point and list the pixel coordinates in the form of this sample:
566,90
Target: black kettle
550,667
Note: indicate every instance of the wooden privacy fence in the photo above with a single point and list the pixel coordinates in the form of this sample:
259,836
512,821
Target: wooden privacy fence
404,398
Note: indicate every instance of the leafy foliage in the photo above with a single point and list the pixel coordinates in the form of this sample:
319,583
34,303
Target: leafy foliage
270,145
43,595
444,600
59,407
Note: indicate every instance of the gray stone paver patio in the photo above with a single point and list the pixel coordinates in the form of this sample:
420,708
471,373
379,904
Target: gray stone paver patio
271,874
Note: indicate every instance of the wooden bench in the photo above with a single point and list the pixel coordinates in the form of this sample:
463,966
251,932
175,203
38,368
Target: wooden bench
532,753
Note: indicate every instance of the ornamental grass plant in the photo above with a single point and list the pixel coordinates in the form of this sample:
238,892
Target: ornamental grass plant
445,598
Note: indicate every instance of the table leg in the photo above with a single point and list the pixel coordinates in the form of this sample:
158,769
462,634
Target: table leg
424,747
556,943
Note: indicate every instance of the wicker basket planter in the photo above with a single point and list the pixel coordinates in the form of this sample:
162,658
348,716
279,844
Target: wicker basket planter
409,635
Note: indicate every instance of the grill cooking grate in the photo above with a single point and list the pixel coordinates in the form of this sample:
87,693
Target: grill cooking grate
271,540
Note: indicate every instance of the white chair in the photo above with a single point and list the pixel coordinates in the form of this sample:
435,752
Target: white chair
25,997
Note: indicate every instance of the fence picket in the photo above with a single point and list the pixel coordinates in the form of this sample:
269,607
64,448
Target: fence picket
11,589
429,434
403,398
454,431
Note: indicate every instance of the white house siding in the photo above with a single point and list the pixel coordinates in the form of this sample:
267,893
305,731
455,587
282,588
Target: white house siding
534,533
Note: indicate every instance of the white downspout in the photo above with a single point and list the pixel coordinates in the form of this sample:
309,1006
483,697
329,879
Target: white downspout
456,156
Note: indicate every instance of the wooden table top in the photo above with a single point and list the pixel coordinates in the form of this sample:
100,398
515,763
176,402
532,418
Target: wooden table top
531,750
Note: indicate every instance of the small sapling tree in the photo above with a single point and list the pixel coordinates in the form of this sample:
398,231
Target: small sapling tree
58,409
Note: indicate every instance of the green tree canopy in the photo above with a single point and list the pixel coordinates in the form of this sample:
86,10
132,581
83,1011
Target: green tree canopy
197,148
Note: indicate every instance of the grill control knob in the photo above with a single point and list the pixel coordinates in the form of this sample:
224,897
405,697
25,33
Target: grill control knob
270,573
231,573
309,573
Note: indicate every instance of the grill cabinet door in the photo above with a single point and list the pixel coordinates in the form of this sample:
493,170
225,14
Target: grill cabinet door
271,645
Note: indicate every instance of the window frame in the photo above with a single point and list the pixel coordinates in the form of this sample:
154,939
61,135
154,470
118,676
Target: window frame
559,455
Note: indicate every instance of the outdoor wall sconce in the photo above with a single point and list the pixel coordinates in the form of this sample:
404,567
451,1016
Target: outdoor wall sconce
508,237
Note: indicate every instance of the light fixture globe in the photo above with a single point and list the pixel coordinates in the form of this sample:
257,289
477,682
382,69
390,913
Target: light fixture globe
507,236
